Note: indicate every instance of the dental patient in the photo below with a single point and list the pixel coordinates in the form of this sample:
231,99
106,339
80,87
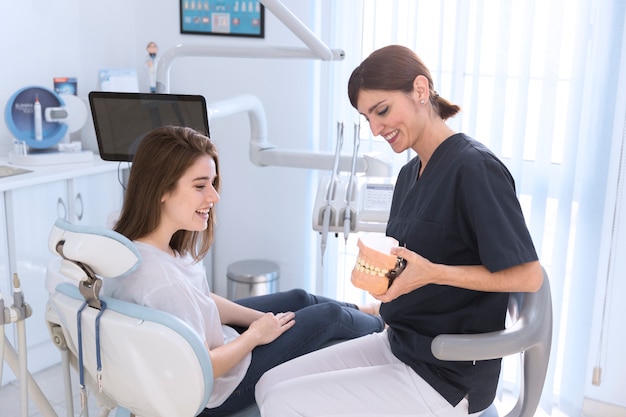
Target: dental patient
168,213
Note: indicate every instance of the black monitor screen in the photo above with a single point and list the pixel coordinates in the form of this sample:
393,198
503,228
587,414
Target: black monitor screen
122,120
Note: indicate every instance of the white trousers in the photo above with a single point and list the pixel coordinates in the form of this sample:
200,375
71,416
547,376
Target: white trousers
358,378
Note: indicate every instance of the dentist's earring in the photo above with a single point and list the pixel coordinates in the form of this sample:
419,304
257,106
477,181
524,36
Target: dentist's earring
422,101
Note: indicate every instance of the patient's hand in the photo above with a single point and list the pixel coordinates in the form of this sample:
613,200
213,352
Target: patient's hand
270,326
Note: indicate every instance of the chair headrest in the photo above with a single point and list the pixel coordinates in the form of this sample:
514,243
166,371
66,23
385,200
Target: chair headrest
108,253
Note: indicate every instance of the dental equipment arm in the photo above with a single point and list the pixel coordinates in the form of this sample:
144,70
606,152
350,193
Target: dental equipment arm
226,51
263,153
299,29
316,48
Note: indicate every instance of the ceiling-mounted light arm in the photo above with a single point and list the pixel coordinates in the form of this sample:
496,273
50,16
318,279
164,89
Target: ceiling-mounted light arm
316,49
231,51
299,29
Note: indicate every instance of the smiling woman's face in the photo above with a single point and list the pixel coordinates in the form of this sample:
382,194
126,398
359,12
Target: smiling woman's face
187,206
393,115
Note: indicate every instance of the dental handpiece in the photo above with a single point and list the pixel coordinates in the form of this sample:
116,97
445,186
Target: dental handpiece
18,296
330,191
3,320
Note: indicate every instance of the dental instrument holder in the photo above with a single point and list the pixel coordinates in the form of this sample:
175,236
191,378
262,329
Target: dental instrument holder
370,201
351,203
17,313
328,213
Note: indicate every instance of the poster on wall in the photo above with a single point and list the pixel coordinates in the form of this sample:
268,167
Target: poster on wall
222,17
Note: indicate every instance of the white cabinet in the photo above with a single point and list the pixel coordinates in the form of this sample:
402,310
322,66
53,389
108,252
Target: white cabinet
85,196
93,198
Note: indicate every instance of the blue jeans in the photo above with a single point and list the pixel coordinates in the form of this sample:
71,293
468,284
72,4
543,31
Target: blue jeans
318,321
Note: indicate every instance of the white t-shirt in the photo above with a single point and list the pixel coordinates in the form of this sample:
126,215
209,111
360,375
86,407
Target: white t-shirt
178,285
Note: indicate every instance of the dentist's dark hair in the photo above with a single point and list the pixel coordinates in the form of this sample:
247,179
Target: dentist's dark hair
394,68
162,157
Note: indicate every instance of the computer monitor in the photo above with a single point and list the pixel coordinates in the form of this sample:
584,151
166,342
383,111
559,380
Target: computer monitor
122,120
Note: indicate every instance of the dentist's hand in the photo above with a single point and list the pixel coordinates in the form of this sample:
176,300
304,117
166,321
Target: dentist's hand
415,275
270,326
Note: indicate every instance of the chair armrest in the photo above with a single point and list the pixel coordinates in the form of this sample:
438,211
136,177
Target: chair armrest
533,327
483,346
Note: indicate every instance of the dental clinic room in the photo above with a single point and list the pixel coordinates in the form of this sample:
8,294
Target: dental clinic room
288,208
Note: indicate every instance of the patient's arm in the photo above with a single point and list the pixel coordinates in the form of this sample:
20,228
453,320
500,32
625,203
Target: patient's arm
263,328
234,314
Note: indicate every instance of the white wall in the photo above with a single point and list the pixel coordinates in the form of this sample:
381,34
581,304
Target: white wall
264,212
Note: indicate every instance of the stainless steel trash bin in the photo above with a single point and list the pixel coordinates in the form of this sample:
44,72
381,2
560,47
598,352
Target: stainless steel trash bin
252,277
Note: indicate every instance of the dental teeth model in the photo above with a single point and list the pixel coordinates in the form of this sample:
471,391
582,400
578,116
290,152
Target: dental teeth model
375,267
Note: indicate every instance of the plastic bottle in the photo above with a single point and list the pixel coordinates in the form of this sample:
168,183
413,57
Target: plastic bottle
38,119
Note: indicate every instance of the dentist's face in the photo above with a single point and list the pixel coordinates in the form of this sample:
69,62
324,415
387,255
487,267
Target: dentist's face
187,206
393,115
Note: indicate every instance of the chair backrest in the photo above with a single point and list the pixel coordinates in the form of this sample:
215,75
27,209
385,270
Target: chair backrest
152,363
529,334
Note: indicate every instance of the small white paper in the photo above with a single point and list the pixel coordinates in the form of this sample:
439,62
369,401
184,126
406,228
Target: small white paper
123,80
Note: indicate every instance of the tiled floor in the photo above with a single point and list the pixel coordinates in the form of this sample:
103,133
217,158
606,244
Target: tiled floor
51,383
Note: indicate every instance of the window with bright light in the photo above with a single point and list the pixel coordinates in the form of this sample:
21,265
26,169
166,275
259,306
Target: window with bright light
522,72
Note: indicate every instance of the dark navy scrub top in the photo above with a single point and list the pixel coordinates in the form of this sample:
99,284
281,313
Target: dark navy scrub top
462,210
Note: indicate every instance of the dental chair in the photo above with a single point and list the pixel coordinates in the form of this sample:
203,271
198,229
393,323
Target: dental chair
529,335
139,361
146,363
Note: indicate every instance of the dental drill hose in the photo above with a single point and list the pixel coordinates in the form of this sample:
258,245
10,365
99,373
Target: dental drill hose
349,194
325,227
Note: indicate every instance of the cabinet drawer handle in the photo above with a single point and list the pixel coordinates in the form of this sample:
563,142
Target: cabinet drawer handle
79,207
61,209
